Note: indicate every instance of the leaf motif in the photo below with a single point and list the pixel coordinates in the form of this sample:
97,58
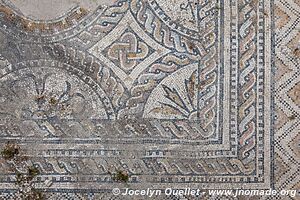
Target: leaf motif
190,85
166,110
185,106
172,94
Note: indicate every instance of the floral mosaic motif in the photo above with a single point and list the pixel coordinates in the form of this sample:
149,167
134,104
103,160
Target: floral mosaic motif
175,100
48,95
186,107
50,104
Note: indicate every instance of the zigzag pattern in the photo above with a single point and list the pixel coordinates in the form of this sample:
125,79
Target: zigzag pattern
287,62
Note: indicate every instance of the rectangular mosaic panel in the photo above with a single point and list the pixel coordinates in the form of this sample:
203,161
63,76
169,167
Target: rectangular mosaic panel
176,93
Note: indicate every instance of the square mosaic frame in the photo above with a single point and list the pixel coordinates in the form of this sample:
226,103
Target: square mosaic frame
228,159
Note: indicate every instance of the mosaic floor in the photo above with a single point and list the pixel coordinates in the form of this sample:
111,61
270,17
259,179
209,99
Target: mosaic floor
97,96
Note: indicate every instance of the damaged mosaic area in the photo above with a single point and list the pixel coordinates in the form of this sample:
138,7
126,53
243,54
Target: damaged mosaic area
96,95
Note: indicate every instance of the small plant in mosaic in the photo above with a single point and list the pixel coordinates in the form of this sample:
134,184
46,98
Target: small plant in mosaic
53,101
10,151
32,172
22,178
32,194
26,181
36,195
23,181
120,176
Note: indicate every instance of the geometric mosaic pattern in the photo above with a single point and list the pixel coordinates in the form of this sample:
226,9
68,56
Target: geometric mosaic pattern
287,105
177,93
